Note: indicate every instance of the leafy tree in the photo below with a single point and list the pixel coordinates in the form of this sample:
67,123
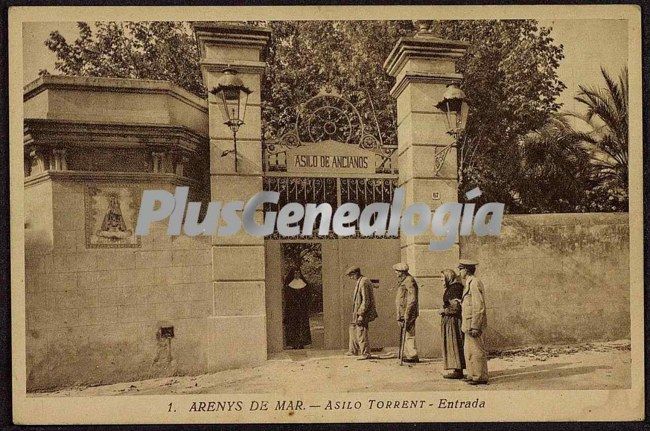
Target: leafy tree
555,169
607,140
304,56
163,50
511,84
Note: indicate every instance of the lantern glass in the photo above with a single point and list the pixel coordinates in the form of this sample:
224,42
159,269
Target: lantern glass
232,97
450,115
223,107
462,116
243,100
455,108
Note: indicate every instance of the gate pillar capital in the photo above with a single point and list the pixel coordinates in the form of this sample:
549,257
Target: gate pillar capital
236,47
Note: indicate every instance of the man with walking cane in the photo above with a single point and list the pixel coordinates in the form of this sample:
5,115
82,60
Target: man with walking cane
407,311
363,312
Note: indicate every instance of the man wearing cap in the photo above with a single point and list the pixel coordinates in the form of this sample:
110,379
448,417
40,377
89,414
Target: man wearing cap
363,312
474,323
407,310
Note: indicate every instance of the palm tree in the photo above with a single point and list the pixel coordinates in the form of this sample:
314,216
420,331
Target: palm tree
554,169
607,117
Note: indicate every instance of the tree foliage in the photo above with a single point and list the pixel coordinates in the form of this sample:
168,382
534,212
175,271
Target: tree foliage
607,140
509,72
163,50
558,168
511,84
303,56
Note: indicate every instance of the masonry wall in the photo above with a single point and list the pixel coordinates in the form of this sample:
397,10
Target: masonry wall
93,313
555,278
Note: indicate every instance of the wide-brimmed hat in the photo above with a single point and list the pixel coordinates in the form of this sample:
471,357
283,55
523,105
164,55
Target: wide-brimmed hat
464,263
352,270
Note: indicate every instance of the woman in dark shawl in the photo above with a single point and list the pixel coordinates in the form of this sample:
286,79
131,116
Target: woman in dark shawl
297,299
452,336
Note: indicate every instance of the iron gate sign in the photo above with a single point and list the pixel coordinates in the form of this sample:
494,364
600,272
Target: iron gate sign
330,157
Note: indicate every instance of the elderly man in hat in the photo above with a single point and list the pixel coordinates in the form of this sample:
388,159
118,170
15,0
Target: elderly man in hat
474,323
407,311
363,312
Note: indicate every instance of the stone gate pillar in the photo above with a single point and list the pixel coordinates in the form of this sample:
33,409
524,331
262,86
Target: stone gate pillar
423,66
236,332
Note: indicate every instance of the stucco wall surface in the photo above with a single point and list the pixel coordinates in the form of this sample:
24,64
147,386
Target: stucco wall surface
93,313
555,278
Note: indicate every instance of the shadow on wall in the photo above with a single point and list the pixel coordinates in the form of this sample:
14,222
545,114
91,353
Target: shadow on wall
555,278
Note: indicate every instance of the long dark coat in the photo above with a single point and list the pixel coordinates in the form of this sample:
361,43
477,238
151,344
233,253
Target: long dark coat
296,315
452,336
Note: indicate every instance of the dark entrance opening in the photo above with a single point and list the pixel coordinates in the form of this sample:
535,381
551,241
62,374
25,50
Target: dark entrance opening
302,296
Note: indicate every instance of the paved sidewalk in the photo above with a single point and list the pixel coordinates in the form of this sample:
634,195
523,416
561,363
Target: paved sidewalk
586,366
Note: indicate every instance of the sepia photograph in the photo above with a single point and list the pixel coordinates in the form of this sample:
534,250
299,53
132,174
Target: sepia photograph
326,214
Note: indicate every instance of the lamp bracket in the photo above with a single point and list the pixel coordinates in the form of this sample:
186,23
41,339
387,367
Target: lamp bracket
439,158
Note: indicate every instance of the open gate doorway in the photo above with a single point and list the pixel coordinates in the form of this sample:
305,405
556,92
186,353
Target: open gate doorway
329,156
302,295
329,328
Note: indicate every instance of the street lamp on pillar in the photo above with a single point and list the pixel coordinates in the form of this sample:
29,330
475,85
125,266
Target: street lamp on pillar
454,105
232,97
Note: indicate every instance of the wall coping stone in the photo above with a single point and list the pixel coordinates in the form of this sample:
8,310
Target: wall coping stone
115,85
551,219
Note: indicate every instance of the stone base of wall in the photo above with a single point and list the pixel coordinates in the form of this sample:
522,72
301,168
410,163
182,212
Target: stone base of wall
235,341
100,355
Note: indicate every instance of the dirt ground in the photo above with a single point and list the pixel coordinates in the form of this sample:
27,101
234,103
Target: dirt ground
586,366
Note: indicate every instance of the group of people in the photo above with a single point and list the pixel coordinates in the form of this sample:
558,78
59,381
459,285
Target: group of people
462,327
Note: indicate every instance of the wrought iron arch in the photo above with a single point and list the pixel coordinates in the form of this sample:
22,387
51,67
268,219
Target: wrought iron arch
327,116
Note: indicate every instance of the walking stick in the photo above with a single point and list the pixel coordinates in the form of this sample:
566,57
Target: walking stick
401,343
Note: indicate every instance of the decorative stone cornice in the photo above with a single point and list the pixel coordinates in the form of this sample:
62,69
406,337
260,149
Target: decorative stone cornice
422,46
233,34
241,66
67,133
424,77
111,177
115,85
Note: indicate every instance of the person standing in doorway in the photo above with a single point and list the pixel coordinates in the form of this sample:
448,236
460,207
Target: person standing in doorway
452,335
407,311
474,323
297,301
363,312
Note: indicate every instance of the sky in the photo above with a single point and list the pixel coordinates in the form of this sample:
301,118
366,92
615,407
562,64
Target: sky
588,45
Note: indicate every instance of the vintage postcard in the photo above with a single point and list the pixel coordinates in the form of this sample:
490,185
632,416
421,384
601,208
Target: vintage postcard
326,214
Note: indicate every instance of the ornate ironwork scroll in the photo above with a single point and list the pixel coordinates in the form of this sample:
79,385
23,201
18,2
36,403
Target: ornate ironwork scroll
439,159
327,116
